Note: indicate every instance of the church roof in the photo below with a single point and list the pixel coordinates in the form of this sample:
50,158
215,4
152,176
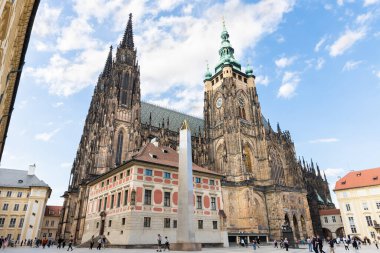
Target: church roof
176,119
357,179
19,179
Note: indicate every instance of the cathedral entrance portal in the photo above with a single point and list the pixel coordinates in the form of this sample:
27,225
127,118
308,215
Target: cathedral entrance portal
296,228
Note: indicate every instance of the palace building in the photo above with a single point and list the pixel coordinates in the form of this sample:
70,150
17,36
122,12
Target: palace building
263,185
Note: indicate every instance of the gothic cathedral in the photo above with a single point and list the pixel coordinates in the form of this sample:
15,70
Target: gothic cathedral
264,184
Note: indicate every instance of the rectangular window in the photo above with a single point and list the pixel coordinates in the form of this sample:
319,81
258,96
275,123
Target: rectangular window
212,182
118,199
114,178
100,205
103,184
146,222
105,203
112,200
326,220
333,219
214,224
148,172
167,199
369,221
167,175
19,194
128,173
198,180
2,221
199,202
46,223
352,224
5,207
148,197
108,181
213,203
21,223
97,225
353,229
52,223
25,207
166,222
125,197
109,223
12,223
200,224
174,223
348,207
365,206
15,208
123,221
373,235
121,175
9,194
378,205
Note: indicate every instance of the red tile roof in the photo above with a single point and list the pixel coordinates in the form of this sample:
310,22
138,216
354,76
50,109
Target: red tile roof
53,210
329,212
357,179
165,156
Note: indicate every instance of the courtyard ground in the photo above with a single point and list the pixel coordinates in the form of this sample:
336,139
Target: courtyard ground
262,249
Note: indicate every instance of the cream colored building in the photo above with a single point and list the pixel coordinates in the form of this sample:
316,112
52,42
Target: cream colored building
23,199
50,222
332,223
16,21
358,194
134,202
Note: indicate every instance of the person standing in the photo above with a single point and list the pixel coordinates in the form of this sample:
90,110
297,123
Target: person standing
99,244
331,243
355,245
254,244
92,242
320,244
346,245
159,242
286,244
167,244
275,244
375,242
309,243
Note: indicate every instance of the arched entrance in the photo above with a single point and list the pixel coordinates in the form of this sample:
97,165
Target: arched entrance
296,228
340,232
326,233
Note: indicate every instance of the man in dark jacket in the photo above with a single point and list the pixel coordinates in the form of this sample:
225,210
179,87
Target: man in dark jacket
320,244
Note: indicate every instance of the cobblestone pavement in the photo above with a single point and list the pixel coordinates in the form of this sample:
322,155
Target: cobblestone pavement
262,249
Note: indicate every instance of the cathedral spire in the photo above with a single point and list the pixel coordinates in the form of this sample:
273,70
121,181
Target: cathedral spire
108,65
127,41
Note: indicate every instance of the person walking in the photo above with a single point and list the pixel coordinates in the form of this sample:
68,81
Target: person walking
315,244
275,244
70,245
92,242
99,244
309,243
159,243
167,244
345,242
254,244
63,243
286,244
355,245
375,242
320,244
332,244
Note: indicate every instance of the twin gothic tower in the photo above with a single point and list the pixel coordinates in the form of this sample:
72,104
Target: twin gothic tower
262,175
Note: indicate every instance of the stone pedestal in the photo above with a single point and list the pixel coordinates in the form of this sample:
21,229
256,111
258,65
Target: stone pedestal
186,246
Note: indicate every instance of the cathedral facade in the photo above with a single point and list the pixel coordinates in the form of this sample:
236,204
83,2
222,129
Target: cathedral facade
264,185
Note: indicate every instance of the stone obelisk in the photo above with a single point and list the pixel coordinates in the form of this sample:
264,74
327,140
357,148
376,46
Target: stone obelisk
186,222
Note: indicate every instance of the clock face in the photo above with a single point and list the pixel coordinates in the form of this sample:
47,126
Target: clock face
219,102
241,101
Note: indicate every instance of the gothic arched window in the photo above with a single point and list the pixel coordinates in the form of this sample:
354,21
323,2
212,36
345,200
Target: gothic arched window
119,148
247,159
123,88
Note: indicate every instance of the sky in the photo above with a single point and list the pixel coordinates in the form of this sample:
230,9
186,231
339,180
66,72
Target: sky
317,67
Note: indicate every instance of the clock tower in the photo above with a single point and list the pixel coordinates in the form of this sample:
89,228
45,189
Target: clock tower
234,126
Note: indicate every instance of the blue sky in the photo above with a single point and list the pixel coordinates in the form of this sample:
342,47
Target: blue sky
316,62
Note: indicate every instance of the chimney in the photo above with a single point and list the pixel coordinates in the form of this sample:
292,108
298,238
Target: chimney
32,170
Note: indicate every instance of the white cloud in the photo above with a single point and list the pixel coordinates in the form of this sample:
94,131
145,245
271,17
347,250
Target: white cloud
289,84
345,41
46,22
263,80
188,9
324,140
351,65
284,61
370,2
334,172
341,2
320,63
319,44
363,18
377,73
46,136
58,104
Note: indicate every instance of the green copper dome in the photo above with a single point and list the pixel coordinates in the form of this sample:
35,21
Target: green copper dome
249,70
208,73
226,52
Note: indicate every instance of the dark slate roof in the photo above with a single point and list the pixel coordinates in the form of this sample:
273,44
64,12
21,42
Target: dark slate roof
175,118
19,179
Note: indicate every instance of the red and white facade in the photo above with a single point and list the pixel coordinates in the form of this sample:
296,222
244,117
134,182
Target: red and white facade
133,203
